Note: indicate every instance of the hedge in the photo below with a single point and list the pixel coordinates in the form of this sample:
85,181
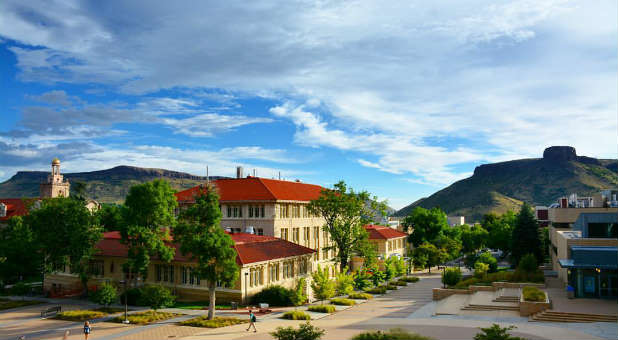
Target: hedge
322,309
342,302
296,315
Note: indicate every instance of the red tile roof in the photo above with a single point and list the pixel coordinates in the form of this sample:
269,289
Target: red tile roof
249,248
379,232
257,189
14,207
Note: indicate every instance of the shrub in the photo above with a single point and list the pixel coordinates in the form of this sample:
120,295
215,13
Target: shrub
410,279
378,277
344,282
133,296
488,259
393,334
533,294
105,295
342,302
296,315
390,269
360,296
528,264
275,296
400,266
377,290
480,269
299,294
217,322
79,315
20,288
322,309
323,287
304,332
144,318
400,283
391,287
451,276
495,332
156,296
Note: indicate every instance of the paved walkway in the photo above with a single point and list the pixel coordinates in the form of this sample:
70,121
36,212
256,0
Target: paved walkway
409,308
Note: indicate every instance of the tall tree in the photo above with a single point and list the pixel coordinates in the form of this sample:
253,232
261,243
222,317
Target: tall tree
426,225
78,191
110,216
428,255
66,233
526,238
18,249
201,237
473,238
500,230
345,212
147,219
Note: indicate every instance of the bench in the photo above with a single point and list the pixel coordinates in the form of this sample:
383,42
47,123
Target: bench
51,311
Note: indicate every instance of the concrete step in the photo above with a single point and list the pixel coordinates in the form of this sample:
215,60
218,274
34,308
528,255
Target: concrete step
506,299
490,307
553,316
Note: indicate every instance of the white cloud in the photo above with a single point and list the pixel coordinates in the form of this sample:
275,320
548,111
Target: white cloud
421,88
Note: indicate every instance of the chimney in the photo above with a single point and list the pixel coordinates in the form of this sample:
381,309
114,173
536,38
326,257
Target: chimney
239,172
2,210
250,230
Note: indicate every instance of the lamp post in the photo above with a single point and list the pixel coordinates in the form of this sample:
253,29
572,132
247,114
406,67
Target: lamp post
126,307
246,288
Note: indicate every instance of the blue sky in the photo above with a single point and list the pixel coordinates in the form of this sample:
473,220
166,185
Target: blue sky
398,98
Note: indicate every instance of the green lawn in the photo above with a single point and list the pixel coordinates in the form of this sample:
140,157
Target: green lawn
8,304
200,305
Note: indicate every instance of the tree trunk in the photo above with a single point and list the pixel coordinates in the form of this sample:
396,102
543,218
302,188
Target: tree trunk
211,304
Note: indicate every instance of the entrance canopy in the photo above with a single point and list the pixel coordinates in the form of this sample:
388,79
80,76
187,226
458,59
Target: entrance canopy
591,258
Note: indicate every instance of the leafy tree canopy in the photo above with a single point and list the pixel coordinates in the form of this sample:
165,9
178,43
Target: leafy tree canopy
426,224
146,220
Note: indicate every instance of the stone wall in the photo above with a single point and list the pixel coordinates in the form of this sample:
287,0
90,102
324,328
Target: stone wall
527,308
441,293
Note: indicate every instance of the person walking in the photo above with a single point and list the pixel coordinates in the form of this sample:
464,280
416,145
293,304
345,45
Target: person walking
252,320
87,329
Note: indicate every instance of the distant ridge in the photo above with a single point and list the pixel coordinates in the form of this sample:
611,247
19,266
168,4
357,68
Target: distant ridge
106,186
503,186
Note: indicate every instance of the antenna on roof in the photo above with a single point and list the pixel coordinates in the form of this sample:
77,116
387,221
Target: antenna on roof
253,172
207,177
279,175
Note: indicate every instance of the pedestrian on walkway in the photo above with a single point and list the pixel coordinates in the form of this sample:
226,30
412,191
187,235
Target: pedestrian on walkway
252,320
87,329
66,335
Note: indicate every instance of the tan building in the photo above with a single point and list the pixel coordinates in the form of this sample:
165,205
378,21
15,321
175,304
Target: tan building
263,261
388,241
584,243
56,185
271,208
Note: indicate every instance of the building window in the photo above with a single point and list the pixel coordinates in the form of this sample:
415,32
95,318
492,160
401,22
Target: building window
260,231
185,277
284,233
274,273
111,267
296,235
96,267
325,254
262,211
306,233
303,266
251,211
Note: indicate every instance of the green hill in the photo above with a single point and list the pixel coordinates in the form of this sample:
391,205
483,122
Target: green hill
502,186
105,186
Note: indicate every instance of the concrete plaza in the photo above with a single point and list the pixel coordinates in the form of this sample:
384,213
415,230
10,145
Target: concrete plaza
410,308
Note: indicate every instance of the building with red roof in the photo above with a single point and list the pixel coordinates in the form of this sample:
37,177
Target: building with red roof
269,207
389,241
10,207
263,260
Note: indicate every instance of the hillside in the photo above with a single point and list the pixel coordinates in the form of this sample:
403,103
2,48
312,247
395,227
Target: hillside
106,186
499,187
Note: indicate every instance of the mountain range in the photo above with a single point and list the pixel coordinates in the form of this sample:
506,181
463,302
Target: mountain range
503,186
105,186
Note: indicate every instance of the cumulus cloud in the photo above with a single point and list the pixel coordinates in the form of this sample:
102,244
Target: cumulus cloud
421,88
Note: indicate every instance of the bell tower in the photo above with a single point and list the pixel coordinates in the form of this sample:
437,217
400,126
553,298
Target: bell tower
55,186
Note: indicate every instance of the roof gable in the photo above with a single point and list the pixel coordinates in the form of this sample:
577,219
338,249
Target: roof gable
378,232
14,207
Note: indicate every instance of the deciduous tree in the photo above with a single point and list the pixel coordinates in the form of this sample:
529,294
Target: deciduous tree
146,220
345,212
201,237
426,225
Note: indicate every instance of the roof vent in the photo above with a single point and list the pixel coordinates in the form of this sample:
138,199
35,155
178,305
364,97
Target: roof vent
250,230
2,210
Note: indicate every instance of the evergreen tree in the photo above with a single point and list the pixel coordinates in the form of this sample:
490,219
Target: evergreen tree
526,238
